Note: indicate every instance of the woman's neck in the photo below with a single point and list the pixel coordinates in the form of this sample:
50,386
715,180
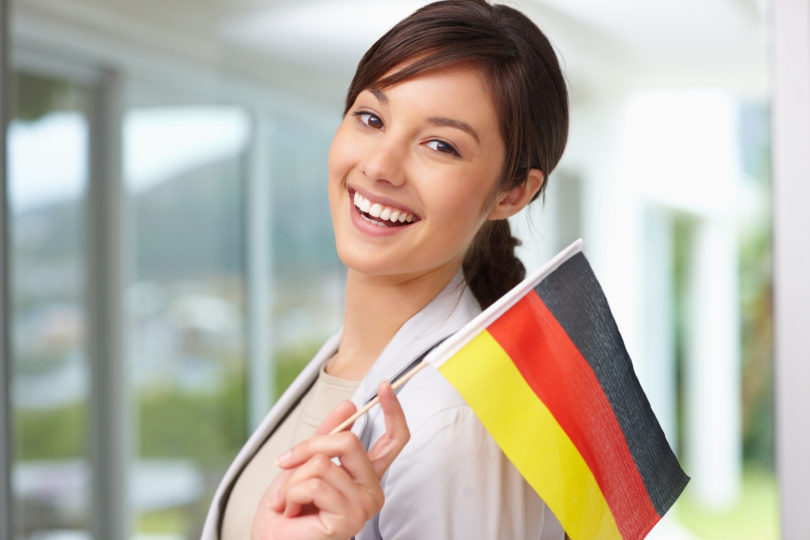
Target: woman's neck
375,310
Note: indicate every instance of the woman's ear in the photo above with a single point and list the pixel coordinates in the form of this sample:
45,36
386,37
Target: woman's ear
513,201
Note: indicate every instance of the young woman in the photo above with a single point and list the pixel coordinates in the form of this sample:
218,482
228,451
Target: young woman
453,123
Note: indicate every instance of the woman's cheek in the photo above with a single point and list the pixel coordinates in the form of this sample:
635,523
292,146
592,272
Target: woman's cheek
340,151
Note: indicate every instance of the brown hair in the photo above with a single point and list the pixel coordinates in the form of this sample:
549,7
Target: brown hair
528,91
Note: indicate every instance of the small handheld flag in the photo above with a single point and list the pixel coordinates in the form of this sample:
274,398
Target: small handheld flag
547,373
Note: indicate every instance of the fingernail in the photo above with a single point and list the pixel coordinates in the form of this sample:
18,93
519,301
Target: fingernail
284,458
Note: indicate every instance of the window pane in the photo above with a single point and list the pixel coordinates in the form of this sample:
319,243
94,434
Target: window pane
186,307
48,167
307,274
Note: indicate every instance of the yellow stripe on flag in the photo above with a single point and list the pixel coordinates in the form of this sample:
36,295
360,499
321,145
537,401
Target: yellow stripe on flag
530,437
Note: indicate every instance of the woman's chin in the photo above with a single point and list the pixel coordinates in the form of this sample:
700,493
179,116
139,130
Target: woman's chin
395,272
365,267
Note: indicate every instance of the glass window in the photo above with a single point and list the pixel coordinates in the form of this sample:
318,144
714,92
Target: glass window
307,274
727,409
185,176
48,172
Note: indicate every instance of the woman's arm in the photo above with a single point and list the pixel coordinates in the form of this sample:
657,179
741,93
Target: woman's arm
314,497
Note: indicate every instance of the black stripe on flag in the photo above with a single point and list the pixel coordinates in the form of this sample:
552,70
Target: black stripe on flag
574,297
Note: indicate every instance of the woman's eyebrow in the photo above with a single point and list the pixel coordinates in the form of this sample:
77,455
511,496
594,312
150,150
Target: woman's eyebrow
382,98
452,122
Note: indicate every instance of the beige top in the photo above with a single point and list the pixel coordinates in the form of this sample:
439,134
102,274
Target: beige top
260,471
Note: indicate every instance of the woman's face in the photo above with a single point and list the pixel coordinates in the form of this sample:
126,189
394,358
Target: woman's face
412,170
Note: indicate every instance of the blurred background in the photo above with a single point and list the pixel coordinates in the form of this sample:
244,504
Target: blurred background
172,265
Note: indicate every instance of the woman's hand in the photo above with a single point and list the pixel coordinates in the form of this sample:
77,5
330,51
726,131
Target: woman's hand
315,498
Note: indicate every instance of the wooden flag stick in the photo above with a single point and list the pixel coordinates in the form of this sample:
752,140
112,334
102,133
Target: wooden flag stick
399,382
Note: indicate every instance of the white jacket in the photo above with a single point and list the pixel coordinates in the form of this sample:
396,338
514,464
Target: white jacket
451,481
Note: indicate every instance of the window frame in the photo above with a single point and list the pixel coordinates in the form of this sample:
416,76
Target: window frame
5,345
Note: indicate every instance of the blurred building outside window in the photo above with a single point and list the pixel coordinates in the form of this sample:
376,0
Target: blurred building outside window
48,166
184,174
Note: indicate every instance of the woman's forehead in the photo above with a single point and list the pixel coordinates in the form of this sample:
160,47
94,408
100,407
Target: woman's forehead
452,85
423,64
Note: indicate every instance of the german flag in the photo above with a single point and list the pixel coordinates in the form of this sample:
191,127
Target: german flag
546,371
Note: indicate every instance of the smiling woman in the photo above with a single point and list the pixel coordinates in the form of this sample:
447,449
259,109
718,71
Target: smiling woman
453,123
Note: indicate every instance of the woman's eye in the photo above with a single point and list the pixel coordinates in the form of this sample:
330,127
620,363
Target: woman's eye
442,147
369,119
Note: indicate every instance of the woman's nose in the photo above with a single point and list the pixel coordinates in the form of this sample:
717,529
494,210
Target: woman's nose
384,162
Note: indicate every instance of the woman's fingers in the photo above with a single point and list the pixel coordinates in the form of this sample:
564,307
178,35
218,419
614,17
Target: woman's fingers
396,435
364,493
311,454
348,495
344,445
273,493
338,516
313,492
354,483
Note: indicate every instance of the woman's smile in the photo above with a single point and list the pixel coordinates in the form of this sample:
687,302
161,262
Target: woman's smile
379,217
383,213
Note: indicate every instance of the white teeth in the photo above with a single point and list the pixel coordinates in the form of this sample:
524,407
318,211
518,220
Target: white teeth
384,213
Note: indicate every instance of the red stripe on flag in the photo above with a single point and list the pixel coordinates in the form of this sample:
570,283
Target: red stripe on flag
562,378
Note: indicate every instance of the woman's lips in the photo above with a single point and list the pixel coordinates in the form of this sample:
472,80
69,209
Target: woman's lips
378,218
386,215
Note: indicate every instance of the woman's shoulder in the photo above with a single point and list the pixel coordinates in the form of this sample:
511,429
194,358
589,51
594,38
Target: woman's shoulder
430,398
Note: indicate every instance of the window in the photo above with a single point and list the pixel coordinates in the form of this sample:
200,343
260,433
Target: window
185,176
48,171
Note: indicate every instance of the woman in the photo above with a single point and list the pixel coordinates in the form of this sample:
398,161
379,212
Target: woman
453,122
